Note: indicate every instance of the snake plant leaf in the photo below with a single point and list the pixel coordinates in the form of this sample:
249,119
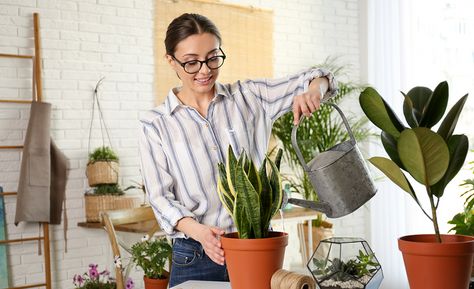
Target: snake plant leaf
390,145
436,107
231,164
393,172
254,177
266,195
409,112
225,196
278,159
420,96
458,147
379,112
424,154
449,123
240,219
250,200
277,191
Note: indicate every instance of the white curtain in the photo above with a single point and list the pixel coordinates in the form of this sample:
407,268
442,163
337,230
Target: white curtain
415,43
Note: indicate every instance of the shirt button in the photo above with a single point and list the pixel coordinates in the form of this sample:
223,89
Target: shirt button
214,148
206,125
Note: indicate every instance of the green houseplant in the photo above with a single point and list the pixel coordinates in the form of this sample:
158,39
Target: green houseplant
151,255
102,166
251,196
432,158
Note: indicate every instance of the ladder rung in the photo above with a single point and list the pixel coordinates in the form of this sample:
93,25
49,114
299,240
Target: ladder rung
29,286
10,147
16,56
20,240
8,194
15,101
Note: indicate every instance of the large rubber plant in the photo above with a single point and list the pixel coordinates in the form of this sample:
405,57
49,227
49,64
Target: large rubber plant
251,196
431,156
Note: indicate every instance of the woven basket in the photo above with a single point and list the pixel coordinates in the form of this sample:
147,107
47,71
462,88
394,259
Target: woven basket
95,204
102,173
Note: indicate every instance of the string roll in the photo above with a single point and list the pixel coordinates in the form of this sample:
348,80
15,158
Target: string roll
283,279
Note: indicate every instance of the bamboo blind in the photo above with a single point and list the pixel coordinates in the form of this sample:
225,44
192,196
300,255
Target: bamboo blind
247,36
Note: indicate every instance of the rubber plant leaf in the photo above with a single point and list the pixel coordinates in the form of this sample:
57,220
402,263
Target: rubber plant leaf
458,147
424,154
379,112
390,145
419,96
394,173
436,107
250,199
449,123
409,112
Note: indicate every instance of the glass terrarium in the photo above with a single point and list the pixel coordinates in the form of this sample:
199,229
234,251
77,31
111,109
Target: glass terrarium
342,263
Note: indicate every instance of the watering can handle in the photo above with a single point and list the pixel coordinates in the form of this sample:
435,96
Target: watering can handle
295,128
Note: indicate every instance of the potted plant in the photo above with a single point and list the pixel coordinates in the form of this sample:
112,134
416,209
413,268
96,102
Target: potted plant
432,158
251,196
102,166
151,255
345,263
463,222
93,279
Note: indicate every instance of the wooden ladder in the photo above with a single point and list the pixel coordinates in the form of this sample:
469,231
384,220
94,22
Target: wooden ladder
36,61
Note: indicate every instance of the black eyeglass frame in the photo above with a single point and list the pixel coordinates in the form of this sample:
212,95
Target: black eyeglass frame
183,64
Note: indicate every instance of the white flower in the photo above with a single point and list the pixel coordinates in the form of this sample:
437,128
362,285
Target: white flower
145,238
118,262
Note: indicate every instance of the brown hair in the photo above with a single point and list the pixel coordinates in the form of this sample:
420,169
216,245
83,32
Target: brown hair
186,25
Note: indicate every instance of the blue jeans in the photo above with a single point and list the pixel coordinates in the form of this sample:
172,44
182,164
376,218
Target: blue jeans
190,262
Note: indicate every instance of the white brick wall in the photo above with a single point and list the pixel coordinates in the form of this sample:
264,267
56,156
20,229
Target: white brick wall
83,40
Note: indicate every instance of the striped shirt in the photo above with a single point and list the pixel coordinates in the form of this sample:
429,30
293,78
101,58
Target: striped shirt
180,149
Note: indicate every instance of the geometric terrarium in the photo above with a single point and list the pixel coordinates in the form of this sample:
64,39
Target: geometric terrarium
341,263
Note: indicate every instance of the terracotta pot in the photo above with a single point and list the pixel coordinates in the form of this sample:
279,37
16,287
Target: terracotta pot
434,265
156,283
252,262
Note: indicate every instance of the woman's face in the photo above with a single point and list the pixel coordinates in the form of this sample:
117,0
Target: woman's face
196,47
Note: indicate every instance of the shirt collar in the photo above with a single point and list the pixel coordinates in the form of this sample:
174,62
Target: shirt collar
172,102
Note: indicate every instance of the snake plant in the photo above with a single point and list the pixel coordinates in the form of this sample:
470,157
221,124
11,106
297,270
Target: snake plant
251,196
431,157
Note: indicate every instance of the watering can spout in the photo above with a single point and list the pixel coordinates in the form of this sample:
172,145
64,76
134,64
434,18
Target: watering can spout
317,206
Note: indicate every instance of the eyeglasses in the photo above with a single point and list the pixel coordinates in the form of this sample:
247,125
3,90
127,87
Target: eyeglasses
194,66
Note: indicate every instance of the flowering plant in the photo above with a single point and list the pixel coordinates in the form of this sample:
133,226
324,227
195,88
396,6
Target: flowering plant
93,279
151,254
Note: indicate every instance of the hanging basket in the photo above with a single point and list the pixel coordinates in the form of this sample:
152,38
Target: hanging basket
99,173
95,204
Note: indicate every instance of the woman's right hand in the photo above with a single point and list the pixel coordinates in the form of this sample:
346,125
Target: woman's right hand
206,235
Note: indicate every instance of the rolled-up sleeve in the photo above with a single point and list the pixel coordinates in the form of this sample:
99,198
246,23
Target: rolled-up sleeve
158,181
276,95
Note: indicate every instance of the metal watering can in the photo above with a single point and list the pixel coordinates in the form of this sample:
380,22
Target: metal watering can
339,176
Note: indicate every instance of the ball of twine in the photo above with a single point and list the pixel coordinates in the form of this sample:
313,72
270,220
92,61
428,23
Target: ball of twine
283,279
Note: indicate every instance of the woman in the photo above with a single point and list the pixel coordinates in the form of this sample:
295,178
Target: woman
183,139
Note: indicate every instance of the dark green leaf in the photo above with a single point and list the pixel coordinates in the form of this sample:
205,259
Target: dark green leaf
390,145
458,146
409,112
449,123
420,97
436,107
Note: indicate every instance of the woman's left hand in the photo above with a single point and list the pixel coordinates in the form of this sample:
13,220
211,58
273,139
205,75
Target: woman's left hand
309,101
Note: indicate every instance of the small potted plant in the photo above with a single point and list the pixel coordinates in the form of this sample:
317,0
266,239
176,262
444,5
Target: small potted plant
151,255
432,158
251,196
102,166
345,263
93,279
